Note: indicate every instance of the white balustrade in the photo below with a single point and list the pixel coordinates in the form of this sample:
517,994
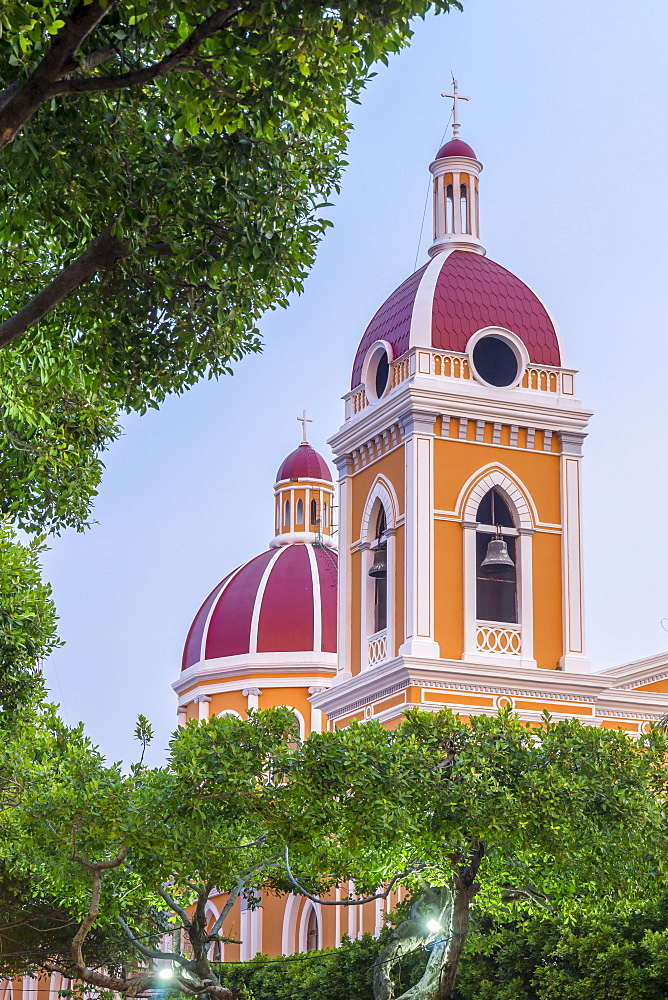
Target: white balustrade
377,647
494,638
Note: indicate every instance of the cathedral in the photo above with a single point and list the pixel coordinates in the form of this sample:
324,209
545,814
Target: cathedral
452,573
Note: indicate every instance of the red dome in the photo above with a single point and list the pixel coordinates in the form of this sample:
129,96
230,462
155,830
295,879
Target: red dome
304,463
456,147
283,601
462,293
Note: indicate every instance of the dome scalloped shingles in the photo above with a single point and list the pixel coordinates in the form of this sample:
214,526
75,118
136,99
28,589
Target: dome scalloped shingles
268,605
471,292
304,463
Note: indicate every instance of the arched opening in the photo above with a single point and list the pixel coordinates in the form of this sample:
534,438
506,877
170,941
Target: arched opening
299,512
449,209
324,514
464,207
286,514
496,560
378,572
312,932
314,512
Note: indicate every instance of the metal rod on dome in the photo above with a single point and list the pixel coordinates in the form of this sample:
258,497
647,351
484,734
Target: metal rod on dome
456,98
304,420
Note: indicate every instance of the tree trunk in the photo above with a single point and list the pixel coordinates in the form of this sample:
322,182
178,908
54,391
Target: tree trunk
438,979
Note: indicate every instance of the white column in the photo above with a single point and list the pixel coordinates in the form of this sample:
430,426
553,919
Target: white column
255,931
337,918
366,605
202,701
571,550
316,714
351,914
392,589
525,596
470,590
182,715
344,464
244,928
252,696
418,434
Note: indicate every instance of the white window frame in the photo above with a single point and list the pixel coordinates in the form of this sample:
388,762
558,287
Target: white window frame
520,507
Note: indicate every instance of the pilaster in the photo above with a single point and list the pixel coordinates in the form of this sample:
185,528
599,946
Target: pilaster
418,435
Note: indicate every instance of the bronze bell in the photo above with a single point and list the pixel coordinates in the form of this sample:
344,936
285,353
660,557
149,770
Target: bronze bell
497,559
379,569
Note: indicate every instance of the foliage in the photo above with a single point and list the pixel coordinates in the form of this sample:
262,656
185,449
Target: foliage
606,956
343,973
565,815
27,624
164,173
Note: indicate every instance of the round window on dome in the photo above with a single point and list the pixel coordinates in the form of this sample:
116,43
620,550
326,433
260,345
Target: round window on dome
376,373
496,361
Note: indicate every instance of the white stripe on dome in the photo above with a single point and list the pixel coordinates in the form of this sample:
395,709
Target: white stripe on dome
423,303
257,607
317,604
205,631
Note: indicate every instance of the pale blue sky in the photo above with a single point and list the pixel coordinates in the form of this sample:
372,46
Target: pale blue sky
568,114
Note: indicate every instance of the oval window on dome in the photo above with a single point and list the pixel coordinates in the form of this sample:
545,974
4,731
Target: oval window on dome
376,371
495,361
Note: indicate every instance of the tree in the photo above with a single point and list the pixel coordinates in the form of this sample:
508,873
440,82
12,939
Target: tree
164,170
620,953
493,813
27,625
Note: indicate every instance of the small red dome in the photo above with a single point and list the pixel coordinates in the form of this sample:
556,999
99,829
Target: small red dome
282,601
468,292
456,147
304,463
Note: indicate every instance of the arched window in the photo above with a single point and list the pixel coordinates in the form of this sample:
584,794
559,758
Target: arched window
324,514
496,561
378,572
312,935
314,512
299,512
449,209
464,206
286,514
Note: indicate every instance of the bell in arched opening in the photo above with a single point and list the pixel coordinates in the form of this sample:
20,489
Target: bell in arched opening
497,560
379,568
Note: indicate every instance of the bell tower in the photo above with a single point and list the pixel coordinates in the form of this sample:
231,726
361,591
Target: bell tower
460,466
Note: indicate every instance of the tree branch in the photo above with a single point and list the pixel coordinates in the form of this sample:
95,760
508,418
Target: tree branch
342,902
105,251
152,952
19,102
156,71
173,905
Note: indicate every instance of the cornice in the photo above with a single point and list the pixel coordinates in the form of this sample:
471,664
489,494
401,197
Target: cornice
645,671
254,665
252,682
522,682
425,394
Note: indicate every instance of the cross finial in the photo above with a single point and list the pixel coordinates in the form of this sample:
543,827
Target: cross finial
456,98
304,420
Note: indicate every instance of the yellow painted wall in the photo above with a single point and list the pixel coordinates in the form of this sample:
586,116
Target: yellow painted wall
449,588
456,461
548,641
392,467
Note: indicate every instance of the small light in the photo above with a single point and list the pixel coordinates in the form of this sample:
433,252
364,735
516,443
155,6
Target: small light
165,973
434,926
